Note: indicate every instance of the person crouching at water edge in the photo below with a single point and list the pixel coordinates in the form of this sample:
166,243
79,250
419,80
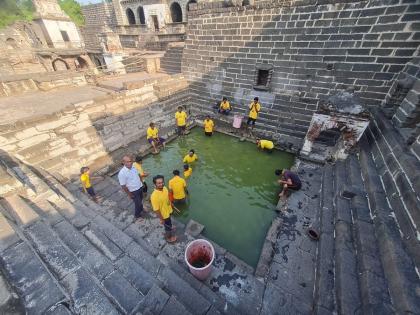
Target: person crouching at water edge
265,145
190,157
225,107
177,188
153,137
208,126
162,205
289,181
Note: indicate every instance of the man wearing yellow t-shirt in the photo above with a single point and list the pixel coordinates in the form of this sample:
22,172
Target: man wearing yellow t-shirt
177,187
162,206
190,157
153,137
265,145
225,107
181,120
254,109
208,126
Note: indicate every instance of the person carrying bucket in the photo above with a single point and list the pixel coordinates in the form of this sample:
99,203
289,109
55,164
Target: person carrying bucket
161,204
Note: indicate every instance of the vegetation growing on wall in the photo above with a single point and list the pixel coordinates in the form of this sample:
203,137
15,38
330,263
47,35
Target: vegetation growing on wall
23,10
12,10
73,10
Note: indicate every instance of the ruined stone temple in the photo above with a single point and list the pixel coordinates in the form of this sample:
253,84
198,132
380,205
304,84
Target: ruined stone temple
339,85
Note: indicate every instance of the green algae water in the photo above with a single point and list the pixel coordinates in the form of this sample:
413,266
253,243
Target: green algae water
233,188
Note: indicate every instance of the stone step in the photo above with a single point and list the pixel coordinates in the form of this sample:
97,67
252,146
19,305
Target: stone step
324,286
399,269
23,269
19,210
9,300
373,286
347,285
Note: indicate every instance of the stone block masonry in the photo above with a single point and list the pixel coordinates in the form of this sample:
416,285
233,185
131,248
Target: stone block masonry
314,49
90,131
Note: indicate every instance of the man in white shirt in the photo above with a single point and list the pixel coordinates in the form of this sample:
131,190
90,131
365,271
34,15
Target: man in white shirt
130,182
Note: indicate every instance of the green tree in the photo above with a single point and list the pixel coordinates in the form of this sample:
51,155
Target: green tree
73,10
12,10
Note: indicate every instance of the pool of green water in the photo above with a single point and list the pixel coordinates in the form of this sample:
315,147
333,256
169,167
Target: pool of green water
233,188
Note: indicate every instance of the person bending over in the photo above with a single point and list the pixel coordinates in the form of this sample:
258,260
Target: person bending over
289,181
265,145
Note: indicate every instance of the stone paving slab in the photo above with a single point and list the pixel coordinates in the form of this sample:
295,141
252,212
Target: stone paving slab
38,103
154,301
103,243
31,279
86,295
8,236
173,307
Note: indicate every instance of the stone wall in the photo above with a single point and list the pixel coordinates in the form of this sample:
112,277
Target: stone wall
87,133
313,50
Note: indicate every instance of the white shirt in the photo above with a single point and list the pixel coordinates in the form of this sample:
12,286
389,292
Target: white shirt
130,178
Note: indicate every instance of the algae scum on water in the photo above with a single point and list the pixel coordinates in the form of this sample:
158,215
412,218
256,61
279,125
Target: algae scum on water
233,189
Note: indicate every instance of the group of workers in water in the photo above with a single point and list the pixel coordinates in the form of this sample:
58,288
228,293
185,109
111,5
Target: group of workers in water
163,200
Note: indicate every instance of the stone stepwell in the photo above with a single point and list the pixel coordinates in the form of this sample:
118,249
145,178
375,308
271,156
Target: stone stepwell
61,253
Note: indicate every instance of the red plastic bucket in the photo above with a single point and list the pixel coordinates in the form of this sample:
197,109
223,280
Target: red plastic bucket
199,257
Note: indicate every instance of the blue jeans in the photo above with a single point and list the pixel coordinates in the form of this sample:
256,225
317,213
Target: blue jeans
138,202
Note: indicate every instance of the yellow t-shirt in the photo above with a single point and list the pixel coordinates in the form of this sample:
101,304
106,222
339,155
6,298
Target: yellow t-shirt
225,105
152,133
189,159
160,202
181,118
254,108
266,144
85,179
178,185
188,173
139,168
208,125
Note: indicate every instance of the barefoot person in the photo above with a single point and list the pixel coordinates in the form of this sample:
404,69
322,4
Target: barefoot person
289,180
130,182
181,121
225,107
190,157
208,126
177,187
265,145
153,137
254,109
86,184
162,205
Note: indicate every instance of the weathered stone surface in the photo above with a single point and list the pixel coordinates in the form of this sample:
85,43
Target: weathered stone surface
194,228
154,301
185,293
135,274
173,306
20,210
24,270
86,295
126,296
104,244
8,236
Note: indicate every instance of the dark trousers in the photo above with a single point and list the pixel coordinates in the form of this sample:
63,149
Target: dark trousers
138,202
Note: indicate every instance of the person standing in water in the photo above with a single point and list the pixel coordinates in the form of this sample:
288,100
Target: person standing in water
190,157
161,204
177,188
208,126
187,171
181,121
